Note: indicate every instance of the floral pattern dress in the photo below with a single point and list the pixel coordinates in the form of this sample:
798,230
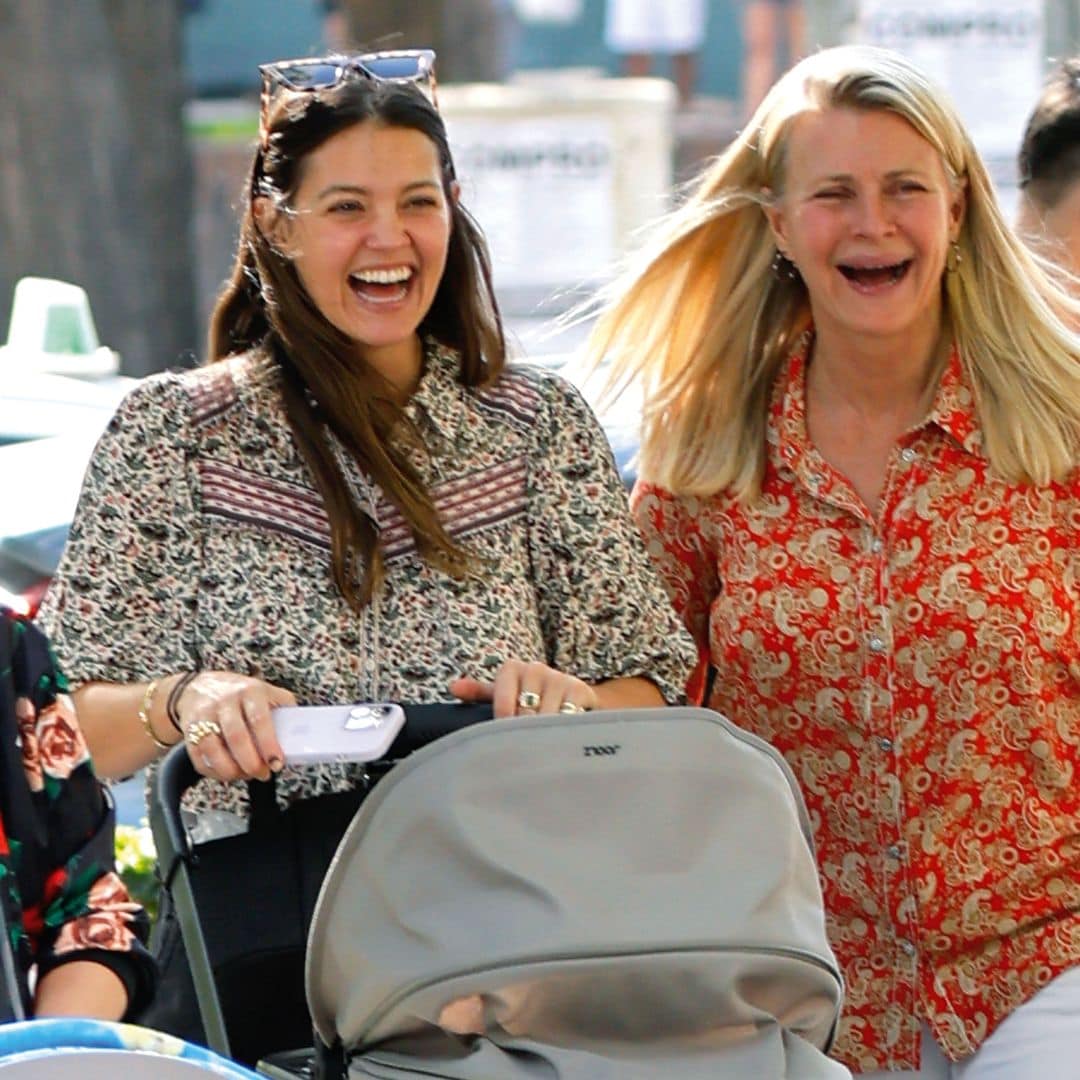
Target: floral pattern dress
62,899
200,542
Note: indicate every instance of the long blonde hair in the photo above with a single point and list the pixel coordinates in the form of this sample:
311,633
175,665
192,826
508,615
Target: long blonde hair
701,320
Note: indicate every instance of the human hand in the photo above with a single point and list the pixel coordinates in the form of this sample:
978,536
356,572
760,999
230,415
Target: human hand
521,689
227,725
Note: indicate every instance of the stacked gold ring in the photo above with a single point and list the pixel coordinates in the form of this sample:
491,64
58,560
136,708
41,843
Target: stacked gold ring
570,707
200,729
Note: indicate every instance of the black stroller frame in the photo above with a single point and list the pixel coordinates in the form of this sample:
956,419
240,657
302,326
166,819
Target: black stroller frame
244,903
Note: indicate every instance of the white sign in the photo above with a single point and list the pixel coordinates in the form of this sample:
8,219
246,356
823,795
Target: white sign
553,11
543,191
987,54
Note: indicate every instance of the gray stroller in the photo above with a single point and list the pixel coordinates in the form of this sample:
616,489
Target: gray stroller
627,894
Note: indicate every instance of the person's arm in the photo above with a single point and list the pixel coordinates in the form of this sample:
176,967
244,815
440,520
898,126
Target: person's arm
611,637
121,607
676,542
81,988
604,613
91,953
129,726
86,935
110,716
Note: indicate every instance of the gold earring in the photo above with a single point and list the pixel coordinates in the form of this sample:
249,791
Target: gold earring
953,258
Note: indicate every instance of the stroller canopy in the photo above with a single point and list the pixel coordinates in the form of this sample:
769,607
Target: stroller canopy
628,893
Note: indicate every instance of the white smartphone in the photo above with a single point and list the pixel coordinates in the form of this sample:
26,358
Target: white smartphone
317,733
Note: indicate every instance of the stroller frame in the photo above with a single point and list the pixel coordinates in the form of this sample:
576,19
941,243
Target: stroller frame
296,844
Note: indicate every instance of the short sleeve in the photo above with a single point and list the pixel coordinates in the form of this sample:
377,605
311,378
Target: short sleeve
677,545
120,606
603,610
75,907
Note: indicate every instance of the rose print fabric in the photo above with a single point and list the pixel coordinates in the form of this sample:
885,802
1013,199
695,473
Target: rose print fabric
62,898
921,673
201,543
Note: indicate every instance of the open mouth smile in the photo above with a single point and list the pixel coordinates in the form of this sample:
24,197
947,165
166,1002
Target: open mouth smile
382,285
875,277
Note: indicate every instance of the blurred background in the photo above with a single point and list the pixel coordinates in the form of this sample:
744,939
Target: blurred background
127,126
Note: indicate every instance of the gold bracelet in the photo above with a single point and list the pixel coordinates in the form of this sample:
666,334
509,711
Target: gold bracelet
144,716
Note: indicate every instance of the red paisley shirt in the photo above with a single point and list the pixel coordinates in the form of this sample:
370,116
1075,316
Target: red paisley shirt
921,673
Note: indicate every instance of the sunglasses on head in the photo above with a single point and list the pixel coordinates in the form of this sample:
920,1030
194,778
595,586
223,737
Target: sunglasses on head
320,73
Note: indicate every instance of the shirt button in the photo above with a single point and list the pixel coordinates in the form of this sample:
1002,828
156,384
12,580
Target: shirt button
876,545
906,947
907,455
877,644
886,745
894,851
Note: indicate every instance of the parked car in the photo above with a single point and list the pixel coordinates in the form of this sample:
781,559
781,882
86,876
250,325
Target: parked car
58,388
38,404
39,488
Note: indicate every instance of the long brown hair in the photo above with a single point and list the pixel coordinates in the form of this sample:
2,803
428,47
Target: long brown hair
265,306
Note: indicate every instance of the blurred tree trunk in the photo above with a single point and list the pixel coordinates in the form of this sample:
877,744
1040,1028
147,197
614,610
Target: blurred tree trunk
95,170
470,36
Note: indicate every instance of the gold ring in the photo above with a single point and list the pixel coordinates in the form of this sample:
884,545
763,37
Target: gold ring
528,699
200,729
571,707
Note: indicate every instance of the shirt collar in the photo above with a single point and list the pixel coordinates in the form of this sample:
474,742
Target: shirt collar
952,411
954,407
438,404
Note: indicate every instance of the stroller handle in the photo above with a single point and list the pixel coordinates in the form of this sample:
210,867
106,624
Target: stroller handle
423,724
426,723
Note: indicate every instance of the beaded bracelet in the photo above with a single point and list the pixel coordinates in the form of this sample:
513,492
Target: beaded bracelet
172,703
144,715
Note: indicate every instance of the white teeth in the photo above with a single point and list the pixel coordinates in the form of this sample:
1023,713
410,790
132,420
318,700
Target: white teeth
384,277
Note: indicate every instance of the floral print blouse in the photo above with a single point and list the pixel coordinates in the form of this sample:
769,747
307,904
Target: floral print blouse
921,673
200,542
62,899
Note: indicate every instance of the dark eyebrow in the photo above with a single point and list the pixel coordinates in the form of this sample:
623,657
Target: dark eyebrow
355,189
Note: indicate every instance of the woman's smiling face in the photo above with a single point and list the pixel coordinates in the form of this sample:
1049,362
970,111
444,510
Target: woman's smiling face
368,232
867,215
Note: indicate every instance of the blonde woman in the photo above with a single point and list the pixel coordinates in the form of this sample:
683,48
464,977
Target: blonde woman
859,477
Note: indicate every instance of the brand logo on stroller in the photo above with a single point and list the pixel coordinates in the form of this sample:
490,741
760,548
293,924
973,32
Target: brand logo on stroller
601,751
